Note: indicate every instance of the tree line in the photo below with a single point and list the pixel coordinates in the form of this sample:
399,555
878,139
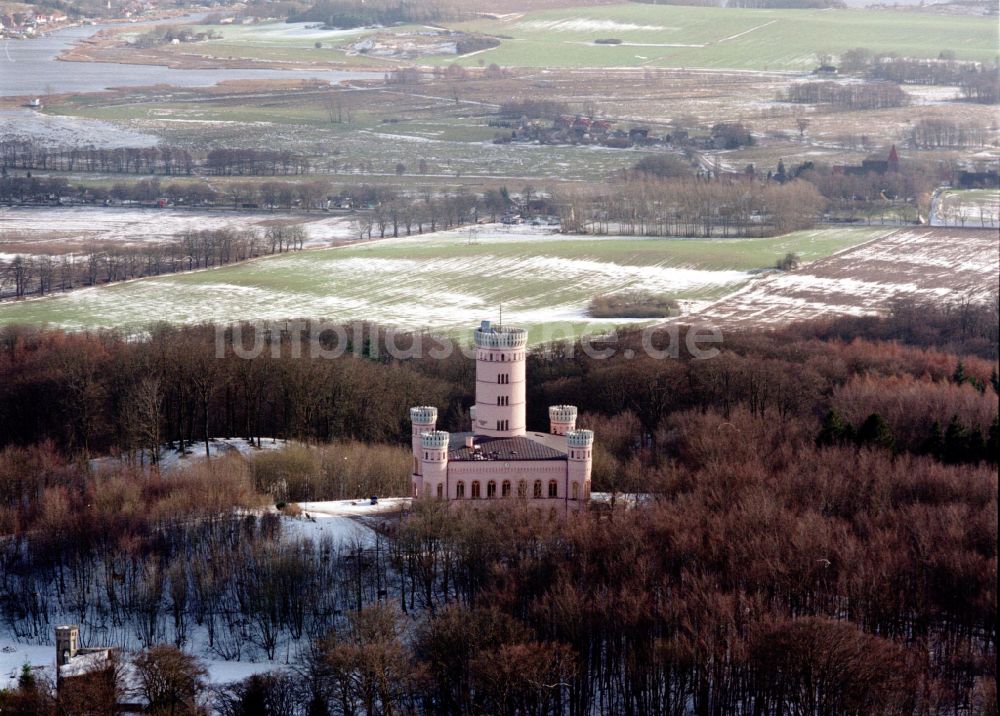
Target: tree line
654,206
977,81
852,96
27,154
40,274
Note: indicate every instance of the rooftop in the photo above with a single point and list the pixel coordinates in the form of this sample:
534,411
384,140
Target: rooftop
533,446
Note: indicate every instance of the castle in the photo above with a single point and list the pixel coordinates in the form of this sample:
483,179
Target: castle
499,458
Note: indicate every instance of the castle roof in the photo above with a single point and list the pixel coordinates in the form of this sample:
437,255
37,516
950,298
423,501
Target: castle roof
534,446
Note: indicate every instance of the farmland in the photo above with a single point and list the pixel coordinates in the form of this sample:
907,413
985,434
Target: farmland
931,264
85,229
647,35
440,281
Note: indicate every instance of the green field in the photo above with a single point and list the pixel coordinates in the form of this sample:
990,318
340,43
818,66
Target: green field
440,281
681,36
652,35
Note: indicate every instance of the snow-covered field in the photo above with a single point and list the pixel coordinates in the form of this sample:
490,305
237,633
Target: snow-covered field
439,281
69,229
922,263
64,131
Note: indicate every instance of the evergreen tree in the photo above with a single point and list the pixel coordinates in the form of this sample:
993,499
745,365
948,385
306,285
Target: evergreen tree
956,442
835,430
26,680
875,431
959,375
976,447
934,442
781,175
995,381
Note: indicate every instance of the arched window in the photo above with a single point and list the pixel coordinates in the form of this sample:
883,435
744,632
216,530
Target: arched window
576,490
491,489
441,489
460,489
538,488
553,488
522,489
475,490
586,490
505,489
427,490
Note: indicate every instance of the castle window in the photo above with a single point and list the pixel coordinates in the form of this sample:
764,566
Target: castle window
414,489
576,490
491,489
427,490
475,490
441,489
522,489
460,490
538,488
505,489
553,488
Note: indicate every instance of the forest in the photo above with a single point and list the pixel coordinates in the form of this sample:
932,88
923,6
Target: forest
805,523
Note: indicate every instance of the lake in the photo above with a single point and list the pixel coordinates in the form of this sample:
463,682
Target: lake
30,67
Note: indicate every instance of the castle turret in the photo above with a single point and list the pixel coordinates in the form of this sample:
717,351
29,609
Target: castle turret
434,463
580,449
562,419
500,380
423,419
67,644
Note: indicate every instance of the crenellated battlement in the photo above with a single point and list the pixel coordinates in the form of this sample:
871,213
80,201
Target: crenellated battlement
562,413
580,438
435,440
424,415
489,336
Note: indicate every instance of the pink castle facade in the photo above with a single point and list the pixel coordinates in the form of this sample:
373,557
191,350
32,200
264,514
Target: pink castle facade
500,459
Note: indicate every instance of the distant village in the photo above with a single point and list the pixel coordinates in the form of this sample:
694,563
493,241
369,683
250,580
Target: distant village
27,22
20,25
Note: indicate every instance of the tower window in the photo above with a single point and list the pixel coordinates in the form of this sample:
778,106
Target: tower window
553,488
576,490
441,489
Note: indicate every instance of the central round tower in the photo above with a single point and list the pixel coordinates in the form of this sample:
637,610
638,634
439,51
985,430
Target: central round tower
500,380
